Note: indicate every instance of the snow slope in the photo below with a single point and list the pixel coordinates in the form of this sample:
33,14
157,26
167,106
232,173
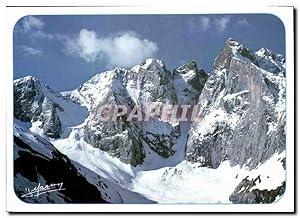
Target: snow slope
174,181
41,148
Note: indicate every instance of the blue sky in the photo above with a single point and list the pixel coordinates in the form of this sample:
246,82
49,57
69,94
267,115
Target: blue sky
65,51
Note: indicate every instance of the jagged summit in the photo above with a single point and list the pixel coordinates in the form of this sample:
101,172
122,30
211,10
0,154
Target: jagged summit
28,84
149,64
270,61
230,42
263,58
231,48
191,65
264,52
26,78
152,61
239,48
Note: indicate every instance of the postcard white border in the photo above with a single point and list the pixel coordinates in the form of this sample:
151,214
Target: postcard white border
14,204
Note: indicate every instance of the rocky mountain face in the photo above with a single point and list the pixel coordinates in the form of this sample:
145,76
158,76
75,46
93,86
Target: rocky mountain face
141,85
188,83
149,82
52,113
32,105
242,115
241,118
244,193
119,138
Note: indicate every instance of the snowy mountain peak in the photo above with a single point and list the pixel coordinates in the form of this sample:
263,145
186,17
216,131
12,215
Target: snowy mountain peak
232,43
263,58
232,48
27,83
149,64
192,65
98,78
264,52
153,62
26,79
267,53
270,61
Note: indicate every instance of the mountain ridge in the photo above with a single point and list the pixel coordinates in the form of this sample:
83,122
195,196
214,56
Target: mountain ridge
242,114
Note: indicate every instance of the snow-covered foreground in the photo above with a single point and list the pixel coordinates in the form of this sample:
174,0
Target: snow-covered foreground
187,183
179,182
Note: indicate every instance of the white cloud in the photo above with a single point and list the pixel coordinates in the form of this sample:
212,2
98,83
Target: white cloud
29,51
123,50
33,27
221,23
201,24
32,23
42,35
242,22
204,23
85,45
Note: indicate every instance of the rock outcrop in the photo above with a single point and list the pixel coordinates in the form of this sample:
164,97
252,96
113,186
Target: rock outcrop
242,111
